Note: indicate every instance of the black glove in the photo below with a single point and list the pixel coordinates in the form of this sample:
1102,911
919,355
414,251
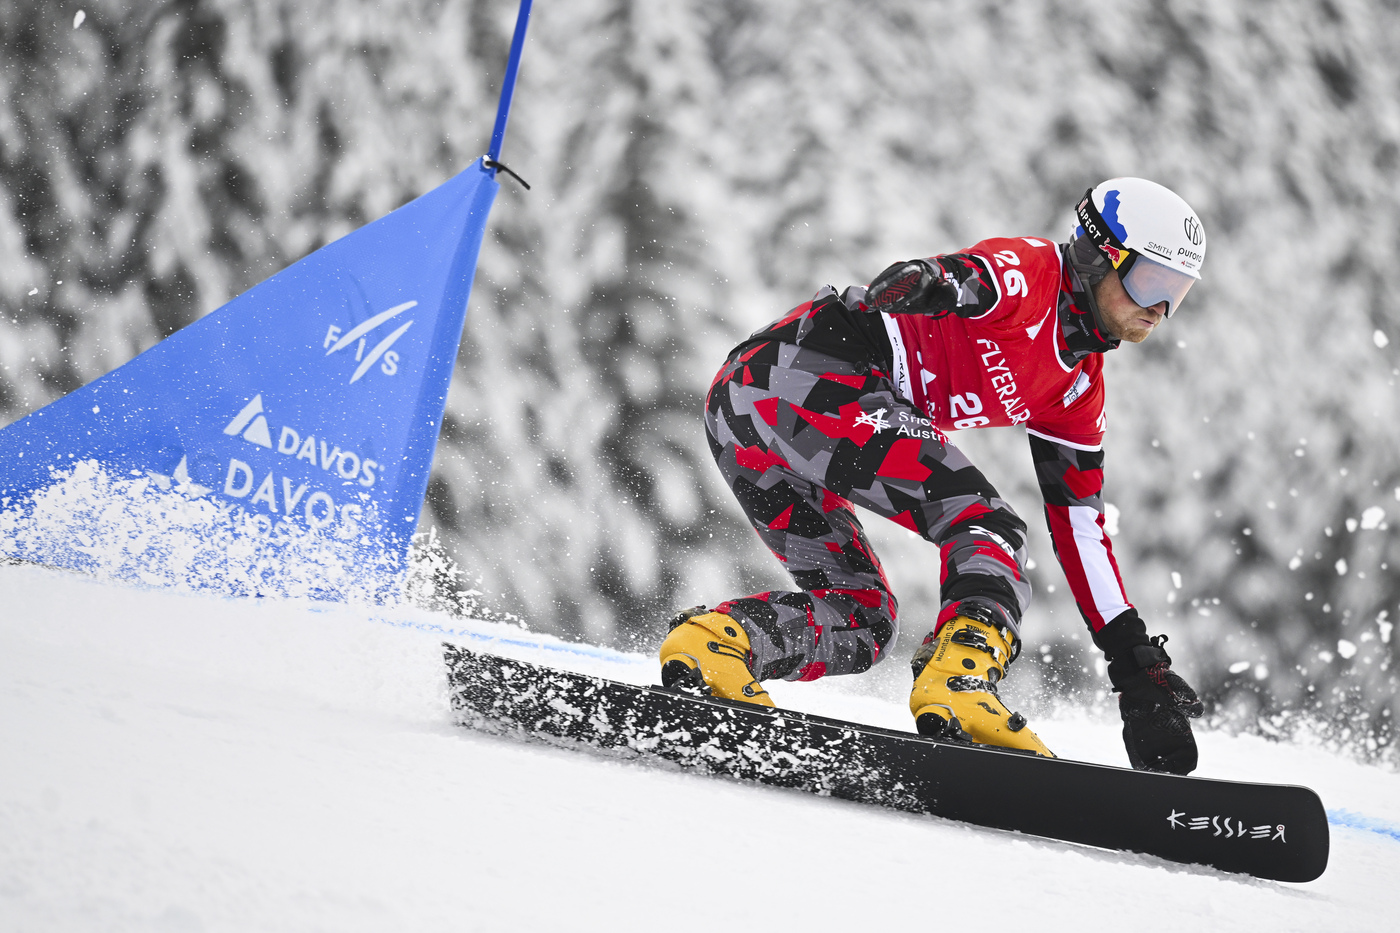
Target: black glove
1155,703
914,287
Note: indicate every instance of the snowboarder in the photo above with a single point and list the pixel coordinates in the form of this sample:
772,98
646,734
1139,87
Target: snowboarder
845,401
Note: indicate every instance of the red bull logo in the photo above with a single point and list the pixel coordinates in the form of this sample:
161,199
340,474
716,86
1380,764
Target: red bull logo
1115,255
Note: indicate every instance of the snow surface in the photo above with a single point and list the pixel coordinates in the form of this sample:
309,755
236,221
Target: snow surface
185,762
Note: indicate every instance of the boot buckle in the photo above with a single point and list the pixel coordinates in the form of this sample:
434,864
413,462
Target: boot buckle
685,615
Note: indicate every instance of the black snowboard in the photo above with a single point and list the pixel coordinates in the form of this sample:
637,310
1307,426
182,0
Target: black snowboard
1265,830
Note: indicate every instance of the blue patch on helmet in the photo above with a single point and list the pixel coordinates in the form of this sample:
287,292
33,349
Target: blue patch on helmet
1110,216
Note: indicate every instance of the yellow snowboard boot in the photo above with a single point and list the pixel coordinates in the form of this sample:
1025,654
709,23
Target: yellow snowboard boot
955,689
710,651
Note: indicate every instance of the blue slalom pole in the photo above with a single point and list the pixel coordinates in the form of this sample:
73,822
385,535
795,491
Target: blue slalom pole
517,44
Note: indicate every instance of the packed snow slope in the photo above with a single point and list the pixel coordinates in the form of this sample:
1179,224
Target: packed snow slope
186,762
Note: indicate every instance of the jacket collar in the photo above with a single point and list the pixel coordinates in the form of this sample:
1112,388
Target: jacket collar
1080,331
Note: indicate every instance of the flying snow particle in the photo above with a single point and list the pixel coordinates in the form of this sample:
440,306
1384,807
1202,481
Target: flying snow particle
1325,657
1239,667
35,291
1176,579
1351,524
1110,519
1341,566
1372,517
1380,338
1295,563
80,16
1346,649
1385,628
1260,672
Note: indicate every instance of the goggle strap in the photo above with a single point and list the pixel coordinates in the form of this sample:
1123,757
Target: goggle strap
1098,232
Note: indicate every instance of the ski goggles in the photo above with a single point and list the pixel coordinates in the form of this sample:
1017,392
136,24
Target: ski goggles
1145,280
1148,282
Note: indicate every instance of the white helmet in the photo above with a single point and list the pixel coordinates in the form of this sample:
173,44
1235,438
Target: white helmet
1132,219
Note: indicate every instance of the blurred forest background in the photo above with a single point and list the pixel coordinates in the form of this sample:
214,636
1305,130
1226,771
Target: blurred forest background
700,166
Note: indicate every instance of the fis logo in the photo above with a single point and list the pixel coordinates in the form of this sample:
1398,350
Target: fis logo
336,341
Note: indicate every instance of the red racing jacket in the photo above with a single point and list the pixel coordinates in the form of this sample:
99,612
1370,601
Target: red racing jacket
1011,347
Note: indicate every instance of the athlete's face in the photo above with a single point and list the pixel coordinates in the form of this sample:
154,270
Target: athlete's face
1125,318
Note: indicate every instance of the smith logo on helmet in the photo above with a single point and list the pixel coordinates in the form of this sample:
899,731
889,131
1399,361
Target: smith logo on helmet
1159,249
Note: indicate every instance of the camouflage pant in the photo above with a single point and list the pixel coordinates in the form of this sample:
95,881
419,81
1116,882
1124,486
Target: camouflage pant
800,437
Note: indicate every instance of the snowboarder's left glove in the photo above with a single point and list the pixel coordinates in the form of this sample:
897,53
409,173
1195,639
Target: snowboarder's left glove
914,287
1155,702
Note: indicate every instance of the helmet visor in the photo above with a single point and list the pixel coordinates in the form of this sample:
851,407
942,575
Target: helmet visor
1148,282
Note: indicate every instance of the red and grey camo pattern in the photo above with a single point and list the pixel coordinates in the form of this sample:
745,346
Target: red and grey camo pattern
800,438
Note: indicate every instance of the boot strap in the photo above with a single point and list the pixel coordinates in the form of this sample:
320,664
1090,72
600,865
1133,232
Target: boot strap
962,683
729,651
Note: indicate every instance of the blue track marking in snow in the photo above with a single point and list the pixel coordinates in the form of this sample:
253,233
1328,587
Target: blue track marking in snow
1349,820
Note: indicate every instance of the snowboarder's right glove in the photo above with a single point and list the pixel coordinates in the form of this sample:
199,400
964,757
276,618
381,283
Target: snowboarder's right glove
914,287
1155,703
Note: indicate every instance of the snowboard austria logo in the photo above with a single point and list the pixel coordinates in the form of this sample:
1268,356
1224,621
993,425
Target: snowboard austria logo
1221,827
875,419
357,337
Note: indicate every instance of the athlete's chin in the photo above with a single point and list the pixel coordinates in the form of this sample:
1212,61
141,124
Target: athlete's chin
1131,334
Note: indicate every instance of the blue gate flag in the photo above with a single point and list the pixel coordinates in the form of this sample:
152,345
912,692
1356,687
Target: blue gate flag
315,397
